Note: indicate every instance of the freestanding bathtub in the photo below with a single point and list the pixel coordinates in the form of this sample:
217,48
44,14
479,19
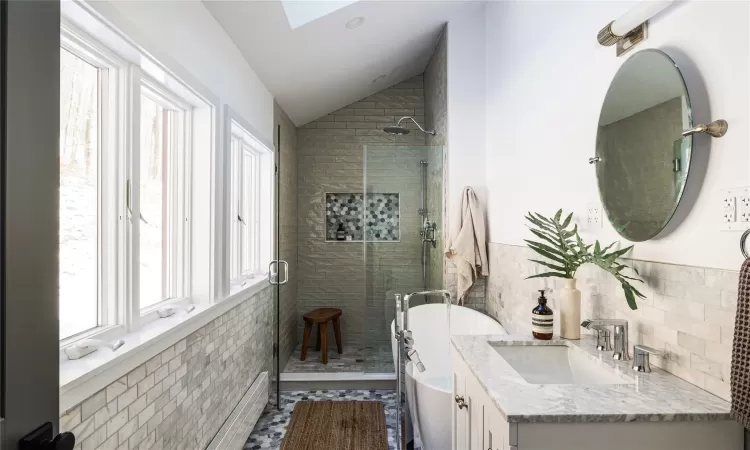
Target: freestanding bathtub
428,393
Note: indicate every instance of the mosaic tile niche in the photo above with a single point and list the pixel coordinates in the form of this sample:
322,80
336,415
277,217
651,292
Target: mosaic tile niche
376,214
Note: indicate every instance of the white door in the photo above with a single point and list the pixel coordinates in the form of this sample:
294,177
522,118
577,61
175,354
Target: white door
29,190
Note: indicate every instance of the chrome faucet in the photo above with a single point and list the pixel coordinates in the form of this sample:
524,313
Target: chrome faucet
641,353
621,335
404,334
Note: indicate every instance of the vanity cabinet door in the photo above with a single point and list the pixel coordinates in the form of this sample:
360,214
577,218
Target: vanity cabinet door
459,415
475,397
496,429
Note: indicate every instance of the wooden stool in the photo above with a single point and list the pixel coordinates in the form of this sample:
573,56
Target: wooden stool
321,317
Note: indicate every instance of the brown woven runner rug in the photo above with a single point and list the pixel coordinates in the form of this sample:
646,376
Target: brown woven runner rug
337,425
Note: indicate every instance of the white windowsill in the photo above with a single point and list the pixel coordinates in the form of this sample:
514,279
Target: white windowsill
82,378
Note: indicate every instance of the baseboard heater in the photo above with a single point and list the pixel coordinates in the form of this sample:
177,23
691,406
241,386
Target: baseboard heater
239,425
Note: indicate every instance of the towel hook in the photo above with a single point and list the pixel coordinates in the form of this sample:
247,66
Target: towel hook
742,243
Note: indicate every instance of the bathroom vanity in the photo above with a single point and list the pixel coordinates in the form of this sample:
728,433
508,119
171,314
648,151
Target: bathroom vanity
517,393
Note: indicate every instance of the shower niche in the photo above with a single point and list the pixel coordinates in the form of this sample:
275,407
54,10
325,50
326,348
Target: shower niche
370,217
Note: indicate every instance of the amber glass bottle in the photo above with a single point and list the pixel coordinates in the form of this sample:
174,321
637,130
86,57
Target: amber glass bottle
542,319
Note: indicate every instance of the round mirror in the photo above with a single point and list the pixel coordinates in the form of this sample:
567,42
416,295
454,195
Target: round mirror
642,159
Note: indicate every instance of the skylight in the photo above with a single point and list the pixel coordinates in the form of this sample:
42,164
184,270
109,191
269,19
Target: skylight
300,12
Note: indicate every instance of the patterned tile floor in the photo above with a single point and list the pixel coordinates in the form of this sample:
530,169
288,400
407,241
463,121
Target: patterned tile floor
269,431
378,359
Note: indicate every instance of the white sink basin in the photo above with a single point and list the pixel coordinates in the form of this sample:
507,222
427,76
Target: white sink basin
556,364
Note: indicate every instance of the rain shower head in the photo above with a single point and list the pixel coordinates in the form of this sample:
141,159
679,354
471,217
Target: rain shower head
400,131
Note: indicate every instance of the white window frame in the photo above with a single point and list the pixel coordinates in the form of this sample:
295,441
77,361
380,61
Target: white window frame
241,145
179,191
125,74
110,245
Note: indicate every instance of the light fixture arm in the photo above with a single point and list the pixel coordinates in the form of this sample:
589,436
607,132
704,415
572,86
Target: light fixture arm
430,132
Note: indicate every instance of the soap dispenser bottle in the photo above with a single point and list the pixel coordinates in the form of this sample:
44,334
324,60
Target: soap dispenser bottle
542,319
341,232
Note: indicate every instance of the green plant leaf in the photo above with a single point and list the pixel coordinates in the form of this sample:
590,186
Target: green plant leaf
546,264
618,253
548,255
545,237
629,297
558,215
567,220
546,248
549,274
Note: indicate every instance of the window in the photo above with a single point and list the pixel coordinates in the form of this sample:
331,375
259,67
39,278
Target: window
79,194
125,185
249,237
162,197
142,175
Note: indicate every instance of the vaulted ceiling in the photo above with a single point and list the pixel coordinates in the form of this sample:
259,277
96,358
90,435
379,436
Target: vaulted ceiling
323,65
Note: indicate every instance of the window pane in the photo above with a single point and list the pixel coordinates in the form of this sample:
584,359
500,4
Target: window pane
248,191
79,148
153,201
235,213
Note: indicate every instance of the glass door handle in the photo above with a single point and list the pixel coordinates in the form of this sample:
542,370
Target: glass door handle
286,271
273,275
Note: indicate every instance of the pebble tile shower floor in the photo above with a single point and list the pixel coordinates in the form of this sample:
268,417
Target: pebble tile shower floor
370,359
269,431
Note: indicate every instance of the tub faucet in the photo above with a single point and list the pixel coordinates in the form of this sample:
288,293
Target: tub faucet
621,335
403,333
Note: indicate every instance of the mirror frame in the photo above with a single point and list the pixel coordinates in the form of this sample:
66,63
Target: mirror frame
689,149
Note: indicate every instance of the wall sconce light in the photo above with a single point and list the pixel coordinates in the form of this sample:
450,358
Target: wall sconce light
632,27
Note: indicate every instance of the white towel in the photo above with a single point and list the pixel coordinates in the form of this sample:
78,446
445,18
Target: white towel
468,250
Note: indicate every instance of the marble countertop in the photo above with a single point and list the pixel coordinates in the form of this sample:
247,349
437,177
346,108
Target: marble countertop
653,397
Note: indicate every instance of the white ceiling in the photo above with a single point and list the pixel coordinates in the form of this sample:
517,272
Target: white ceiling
322,66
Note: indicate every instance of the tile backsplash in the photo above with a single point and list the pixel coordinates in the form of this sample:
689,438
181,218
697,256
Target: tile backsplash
688,312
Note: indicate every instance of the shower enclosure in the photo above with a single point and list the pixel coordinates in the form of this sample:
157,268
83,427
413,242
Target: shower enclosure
371,226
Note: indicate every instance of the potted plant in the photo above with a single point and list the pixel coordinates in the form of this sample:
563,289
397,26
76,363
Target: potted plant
565,252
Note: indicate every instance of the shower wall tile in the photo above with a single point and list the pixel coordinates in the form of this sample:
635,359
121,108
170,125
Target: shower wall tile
288,310
688,312
357,277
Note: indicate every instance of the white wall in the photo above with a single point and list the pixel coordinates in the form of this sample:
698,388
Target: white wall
546,78
187,39
466,107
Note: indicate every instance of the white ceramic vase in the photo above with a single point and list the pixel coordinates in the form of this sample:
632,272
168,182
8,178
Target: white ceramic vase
569,299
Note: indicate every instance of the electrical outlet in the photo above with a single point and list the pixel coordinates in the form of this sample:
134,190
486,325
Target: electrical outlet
595,215
735,209
743,205
730,209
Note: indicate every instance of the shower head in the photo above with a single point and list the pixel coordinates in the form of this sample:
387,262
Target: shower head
400,131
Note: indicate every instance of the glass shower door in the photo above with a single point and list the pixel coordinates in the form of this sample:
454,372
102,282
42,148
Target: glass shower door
403,249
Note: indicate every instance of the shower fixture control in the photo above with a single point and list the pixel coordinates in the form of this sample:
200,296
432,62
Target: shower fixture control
428,232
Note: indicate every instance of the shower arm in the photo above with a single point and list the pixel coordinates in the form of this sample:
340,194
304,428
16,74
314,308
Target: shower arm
430,132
